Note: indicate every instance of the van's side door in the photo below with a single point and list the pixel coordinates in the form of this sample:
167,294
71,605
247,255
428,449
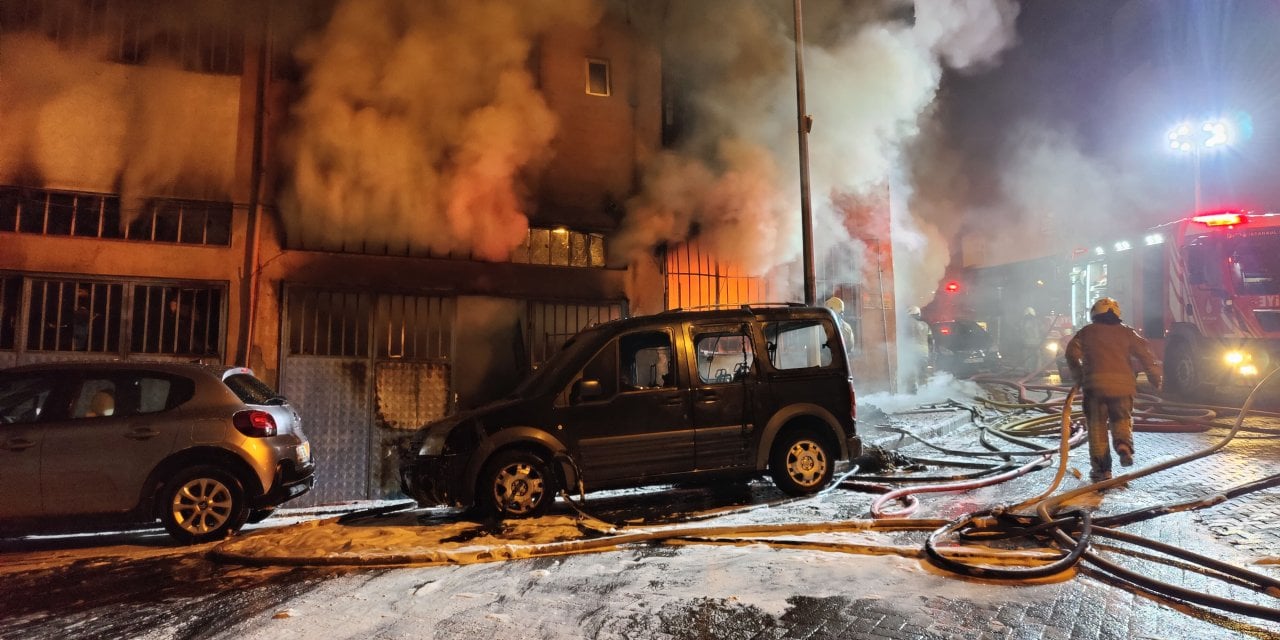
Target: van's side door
626,414
724,379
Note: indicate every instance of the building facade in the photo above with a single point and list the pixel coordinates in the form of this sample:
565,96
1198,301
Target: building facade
145,161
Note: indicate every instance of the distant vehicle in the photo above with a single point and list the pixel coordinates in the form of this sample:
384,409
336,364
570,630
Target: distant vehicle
1204,290
203,449
963,348
678,396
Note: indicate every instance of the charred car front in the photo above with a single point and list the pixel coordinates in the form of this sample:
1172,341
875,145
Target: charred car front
678,396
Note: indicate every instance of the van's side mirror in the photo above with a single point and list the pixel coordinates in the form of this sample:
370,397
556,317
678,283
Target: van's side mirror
585,390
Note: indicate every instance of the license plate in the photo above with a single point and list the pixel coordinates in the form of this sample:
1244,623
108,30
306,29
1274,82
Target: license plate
304,452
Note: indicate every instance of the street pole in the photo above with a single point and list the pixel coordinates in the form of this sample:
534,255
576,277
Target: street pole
804,122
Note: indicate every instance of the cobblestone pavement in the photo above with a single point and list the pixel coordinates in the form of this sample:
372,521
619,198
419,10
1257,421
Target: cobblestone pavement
1242,531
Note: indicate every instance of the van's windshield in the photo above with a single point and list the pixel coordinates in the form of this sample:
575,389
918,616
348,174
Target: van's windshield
578,348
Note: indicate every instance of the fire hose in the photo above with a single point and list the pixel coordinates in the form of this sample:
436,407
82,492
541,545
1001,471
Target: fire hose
1073,530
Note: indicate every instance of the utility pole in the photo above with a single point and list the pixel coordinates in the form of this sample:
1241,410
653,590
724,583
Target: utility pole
805,123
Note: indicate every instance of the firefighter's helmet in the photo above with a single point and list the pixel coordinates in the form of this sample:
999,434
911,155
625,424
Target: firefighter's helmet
913,311
1104,305
835,304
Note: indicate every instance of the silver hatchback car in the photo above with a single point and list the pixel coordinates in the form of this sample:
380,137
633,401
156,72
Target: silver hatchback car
202,448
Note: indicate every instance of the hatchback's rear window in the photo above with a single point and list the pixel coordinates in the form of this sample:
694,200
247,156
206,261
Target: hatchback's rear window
251,390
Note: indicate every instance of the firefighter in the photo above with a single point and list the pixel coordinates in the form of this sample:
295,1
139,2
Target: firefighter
1030,339
835,304
920,342
1099,356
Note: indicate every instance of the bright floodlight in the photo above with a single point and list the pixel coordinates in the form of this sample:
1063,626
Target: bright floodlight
1219,133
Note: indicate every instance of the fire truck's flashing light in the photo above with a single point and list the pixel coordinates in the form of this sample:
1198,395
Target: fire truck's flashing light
946,331
1220,219
952,286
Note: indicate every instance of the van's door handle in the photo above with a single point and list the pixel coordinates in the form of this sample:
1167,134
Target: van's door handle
707,395
141,434
18,444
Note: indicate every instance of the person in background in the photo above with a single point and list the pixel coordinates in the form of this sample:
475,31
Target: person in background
1099,356
919,345
835,304
1030,338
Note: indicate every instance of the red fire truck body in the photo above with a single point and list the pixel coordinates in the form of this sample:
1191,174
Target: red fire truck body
1204,290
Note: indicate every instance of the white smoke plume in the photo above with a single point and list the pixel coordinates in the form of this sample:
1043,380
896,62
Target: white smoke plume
870,80
419,125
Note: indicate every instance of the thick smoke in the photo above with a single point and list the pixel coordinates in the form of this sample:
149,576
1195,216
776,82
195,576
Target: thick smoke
425,117
871,77
75,120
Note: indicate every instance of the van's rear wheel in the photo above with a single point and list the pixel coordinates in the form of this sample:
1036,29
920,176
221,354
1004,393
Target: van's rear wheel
517,484
802,462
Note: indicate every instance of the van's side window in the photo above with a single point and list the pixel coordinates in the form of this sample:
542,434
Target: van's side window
646,361
724,357
798,344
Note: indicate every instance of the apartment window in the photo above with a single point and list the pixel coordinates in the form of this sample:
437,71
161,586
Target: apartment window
560,247
96,215
598,80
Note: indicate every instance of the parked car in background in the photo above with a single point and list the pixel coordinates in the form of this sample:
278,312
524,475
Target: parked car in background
679,396
963,348
202,449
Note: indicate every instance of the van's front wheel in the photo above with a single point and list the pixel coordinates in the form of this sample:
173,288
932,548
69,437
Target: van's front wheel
802,462
517,484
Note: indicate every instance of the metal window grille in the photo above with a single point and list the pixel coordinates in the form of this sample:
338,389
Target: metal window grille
836,275
176,320
74,315
550,325
95,215
695,278
413,327
326,323
135,31
560,247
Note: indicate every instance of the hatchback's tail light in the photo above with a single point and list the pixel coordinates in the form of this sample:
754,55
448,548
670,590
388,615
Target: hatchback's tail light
254,423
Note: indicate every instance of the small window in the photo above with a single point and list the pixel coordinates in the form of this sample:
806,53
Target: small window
598,82
251,390
798,345
724,357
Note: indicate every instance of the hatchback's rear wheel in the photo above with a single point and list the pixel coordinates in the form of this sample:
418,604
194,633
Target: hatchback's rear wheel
203,503
802,462
517,484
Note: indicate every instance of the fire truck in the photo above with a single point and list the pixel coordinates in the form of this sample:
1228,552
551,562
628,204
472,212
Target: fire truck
1204,290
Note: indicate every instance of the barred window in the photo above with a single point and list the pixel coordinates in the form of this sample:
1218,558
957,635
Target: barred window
10,298
173,320
326,323
561,247
96,215
73,315
551,324
335,323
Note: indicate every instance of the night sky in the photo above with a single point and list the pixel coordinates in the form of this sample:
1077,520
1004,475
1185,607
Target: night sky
1109,79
